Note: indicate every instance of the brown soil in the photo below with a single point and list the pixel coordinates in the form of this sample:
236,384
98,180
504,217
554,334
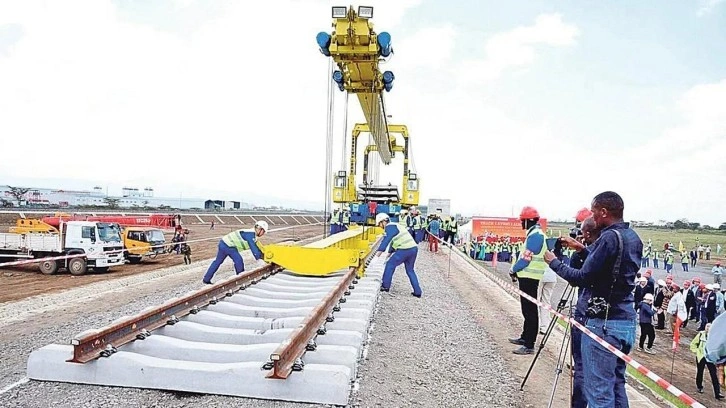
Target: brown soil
25,281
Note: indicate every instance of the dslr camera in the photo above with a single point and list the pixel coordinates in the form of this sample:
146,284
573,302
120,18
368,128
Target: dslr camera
597,308
575,232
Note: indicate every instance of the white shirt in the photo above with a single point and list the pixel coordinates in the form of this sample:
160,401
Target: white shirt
678,305
717,270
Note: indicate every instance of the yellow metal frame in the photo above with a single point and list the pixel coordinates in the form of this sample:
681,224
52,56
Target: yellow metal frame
344,191
338,251
32,226
354,47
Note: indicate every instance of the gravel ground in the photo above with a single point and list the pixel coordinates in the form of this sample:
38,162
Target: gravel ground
430,352
412,359
19,339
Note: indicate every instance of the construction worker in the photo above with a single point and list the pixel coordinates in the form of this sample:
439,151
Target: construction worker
334,224
403,219
528,271
453,228
418,225
403,250
230,246
444,232
344,220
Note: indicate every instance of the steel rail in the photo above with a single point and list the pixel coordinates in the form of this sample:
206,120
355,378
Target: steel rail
287,357
93,344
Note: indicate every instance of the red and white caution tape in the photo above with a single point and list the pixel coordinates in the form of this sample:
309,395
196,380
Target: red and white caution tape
60,257
685,398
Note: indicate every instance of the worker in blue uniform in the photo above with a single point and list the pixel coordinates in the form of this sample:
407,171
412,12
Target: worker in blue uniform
230,246
403,250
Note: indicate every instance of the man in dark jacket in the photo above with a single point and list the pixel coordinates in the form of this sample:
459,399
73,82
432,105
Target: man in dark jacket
607,282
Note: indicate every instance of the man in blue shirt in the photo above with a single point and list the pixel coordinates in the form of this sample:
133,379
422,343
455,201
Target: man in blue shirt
403,250
434,227
230,246
604,373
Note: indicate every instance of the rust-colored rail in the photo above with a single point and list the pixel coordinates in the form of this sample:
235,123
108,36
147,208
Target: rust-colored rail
285,357
87,347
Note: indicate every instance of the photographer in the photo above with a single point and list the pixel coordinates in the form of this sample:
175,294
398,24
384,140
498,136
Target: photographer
590,234
607,279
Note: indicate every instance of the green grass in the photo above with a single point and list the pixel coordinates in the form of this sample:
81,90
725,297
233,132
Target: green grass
660,236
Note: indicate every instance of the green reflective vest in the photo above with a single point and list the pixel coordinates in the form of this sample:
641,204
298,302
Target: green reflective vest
346,218
537,265
453,226
234,239
402,240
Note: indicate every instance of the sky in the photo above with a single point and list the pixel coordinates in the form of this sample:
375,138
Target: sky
508,103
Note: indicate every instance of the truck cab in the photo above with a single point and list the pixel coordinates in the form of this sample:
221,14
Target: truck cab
142,241
100,241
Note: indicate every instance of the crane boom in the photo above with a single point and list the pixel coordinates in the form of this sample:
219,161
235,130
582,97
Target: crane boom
357,49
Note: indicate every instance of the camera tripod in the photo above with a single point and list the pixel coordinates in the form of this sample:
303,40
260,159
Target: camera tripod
565,302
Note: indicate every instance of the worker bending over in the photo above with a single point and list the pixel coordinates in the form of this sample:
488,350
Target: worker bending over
403,250
230,246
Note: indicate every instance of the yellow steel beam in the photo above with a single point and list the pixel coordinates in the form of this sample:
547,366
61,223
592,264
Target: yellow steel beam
320,258
355,48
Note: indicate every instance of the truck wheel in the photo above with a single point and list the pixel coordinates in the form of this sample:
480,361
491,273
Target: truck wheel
100,269
48,267
77,266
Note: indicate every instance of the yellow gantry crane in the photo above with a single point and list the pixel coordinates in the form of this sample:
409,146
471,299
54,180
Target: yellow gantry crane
357,50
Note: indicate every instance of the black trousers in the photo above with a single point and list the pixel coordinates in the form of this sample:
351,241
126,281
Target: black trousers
714,377
647,330
530,311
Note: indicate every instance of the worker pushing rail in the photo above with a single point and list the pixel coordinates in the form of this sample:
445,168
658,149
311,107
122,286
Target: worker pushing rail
230,246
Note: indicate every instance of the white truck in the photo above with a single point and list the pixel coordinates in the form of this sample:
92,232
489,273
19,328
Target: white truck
99,242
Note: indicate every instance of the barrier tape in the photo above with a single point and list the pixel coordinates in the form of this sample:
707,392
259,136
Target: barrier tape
60,257
683,397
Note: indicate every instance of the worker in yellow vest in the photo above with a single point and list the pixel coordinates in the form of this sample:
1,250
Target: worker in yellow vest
403,250
528,271
230,246
453,228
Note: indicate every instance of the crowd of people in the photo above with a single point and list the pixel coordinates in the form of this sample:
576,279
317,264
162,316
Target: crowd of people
604,263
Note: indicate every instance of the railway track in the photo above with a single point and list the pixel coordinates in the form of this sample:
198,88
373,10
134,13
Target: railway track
266,333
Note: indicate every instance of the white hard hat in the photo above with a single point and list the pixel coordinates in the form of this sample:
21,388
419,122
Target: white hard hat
381,217
648,296
709,286
661,282
262,224
716,286
644,279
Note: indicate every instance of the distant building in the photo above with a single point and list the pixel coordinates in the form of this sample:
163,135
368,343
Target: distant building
131,198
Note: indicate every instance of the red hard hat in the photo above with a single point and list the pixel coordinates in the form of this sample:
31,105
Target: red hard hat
583,214
528,213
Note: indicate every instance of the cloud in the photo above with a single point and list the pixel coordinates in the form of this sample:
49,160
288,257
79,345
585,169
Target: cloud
707,6
518,47
237,104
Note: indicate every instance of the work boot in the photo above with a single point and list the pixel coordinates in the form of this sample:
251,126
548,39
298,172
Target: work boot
523,351
206,282
417,295
385,289
518,341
